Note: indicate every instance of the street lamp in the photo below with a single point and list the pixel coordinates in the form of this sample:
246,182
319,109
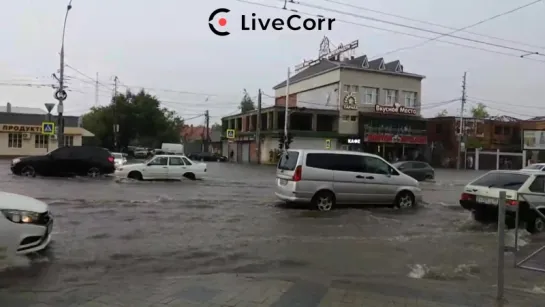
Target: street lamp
61,94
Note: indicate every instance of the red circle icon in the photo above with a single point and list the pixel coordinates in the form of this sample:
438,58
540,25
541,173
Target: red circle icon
222,22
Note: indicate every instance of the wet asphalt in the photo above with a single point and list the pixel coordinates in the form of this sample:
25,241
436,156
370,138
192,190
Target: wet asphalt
230,222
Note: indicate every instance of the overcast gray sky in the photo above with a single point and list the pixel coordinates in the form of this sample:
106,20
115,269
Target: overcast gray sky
167,44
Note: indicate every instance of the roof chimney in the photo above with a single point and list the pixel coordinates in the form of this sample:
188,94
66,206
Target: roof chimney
8,107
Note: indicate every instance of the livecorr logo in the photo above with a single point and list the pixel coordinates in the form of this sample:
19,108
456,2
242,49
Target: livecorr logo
294,22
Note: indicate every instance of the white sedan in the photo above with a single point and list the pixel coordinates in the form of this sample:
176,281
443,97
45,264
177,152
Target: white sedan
25,225
163,167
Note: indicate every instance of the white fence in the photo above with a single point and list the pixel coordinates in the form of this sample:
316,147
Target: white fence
503,160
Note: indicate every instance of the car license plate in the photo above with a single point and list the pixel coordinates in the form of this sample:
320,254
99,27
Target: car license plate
487,200
283,181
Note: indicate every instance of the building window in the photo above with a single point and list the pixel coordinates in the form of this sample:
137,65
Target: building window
15,140
353,118
498,130
355,89
369,95
410,99
68,140
347,88
41,141
345,118
391,97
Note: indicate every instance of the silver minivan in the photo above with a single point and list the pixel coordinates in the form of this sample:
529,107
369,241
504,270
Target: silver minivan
324,178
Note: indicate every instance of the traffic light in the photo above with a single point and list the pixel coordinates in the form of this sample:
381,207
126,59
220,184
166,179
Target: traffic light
289,140
281,141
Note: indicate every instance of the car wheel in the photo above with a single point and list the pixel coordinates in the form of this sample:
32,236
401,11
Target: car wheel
405,199
323,201
535,224
93,172
190,176
28,171
479,216
135,175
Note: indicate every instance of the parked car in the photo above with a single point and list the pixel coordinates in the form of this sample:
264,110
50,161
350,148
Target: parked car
142,153
417,169
119,159
535,167
481,197
324,178
163,167
208,156
66,161
25,225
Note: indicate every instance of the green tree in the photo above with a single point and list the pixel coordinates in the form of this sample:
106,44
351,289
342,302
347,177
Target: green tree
246,104
442,113
479,111
141,119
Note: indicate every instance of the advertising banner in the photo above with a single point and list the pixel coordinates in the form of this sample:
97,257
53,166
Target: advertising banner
534,139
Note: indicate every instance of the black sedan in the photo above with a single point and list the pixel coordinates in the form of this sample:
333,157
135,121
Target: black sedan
207,156
416,169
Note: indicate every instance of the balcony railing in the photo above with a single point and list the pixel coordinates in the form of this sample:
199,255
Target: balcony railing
397,131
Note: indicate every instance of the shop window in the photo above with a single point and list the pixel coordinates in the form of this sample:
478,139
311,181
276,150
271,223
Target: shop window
353,118
41,141
68,140
345,118
15,140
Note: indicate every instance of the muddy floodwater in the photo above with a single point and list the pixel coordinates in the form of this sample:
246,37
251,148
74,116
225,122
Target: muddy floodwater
108,230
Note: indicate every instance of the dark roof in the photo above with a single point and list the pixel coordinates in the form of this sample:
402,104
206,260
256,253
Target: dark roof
326,65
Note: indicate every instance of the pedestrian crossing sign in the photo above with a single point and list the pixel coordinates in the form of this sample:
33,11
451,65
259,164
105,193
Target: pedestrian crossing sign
230,133
48,128
327,144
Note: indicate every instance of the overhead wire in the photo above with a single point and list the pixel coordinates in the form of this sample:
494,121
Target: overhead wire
439,25
367,26
318,7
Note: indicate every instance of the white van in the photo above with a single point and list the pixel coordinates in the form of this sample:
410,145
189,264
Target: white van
326,177
173,148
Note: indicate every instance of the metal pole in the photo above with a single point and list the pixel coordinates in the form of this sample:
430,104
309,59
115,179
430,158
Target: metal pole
501,245
458,164
258,128
207,137
286,118
48,136
60,107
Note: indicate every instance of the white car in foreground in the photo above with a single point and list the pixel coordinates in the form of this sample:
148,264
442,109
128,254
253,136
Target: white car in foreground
538,167
25,225
163,167
119,159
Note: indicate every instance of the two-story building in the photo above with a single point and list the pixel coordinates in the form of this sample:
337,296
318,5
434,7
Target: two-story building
352,104
378,103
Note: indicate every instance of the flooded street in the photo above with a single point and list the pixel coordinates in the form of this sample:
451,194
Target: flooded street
111,230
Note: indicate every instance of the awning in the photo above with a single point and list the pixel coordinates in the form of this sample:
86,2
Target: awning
77,131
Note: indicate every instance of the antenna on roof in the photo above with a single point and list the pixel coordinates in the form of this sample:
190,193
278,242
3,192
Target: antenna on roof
325,52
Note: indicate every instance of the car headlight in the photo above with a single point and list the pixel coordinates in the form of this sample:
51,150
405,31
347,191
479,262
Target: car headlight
22,217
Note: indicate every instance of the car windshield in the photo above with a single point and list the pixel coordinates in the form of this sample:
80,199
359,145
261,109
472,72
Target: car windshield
117,155
534,166
508,181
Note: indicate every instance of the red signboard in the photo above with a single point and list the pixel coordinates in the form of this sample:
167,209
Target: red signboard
402,139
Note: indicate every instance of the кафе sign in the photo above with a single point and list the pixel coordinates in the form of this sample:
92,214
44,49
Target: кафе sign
395,109
21,128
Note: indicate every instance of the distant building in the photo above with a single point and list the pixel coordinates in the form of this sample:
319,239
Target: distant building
193,138
21,132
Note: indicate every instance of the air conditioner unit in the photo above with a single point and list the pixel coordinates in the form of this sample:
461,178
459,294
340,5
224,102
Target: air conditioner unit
53,137
26,136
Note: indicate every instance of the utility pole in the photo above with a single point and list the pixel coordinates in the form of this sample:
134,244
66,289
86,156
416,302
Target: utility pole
114,101
96,92
60,98
286,116
207,122
461,135
258,128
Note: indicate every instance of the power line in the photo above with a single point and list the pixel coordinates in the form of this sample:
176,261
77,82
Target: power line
501,110
26,84
433,24
462,29
418,28
393,31
482,100
86,76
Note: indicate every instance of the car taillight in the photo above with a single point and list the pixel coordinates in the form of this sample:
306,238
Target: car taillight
467,196
512,202
297,174
111,159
